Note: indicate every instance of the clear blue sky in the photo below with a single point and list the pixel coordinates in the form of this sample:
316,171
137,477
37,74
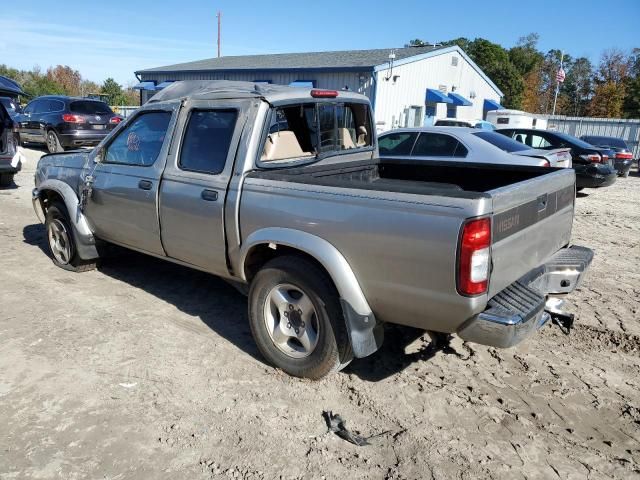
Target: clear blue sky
115,38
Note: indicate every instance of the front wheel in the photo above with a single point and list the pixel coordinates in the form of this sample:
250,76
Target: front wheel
296,318
61,241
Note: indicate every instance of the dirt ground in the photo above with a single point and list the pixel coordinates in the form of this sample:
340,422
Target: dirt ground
144,369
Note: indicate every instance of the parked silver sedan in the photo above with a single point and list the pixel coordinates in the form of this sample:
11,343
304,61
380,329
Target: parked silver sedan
466,145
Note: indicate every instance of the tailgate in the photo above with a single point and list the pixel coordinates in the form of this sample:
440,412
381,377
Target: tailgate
531,221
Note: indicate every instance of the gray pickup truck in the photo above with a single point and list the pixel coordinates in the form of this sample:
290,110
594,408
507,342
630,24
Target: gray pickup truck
280,191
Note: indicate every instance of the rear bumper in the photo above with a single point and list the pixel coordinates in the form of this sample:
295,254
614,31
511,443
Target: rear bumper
82,138
594,176
622,166
519,310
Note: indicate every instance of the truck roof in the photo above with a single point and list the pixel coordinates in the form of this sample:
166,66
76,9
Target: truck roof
219,89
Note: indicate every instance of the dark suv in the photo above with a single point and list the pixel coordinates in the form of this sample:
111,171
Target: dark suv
65,122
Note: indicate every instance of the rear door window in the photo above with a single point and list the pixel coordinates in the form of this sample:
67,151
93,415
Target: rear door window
396,144
89,107
537,141
207,139
438,145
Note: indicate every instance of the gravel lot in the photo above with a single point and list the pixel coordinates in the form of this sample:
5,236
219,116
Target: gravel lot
144,369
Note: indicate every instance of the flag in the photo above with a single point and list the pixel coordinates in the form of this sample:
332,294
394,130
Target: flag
560,75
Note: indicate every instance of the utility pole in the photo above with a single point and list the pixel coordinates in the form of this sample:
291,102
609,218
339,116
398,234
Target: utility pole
219,15
559,80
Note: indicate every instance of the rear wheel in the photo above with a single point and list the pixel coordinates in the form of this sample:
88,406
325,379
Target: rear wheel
53,142
296,318
61,241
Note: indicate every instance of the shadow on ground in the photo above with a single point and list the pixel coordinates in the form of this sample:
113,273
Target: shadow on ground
224,310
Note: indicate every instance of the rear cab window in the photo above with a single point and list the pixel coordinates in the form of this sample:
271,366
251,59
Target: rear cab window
310,131
207,139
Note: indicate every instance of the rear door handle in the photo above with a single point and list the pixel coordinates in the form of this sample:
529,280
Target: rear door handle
209,195
145,184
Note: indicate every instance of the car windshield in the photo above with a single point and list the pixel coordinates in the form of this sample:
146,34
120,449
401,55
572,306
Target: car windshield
89,107
572,140
605,141
501,141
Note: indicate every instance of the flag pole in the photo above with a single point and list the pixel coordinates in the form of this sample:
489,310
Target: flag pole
555,98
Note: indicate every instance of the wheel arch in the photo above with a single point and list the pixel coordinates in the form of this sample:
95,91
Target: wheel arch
52,190
255,253
365,333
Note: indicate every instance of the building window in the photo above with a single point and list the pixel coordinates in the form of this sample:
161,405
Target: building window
452,110
454,61
413,117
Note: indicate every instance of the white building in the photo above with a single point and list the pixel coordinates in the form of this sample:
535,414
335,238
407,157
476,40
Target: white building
407,86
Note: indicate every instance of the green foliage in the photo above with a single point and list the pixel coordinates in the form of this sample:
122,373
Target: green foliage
527,77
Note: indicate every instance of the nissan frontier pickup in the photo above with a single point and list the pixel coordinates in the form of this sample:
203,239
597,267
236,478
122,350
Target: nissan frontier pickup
280,191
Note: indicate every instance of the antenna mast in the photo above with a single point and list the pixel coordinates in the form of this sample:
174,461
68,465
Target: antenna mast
219,15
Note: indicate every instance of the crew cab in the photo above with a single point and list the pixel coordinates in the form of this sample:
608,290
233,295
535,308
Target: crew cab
280,191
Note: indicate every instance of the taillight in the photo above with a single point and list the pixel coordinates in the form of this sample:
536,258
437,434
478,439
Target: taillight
324,93
474,257
605,158
592,157
71,118
624,156
545,163
115,120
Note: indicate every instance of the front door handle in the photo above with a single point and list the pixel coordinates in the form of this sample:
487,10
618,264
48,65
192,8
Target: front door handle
145,184
209,195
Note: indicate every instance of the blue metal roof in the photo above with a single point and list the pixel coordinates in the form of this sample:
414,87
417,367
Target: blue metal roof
437,96
459,100
491,105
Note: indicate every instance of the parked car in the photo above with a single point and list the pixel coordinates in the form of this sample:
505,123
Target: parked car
329,241
465,145
454,122
10,162
61,122
622,156
593,166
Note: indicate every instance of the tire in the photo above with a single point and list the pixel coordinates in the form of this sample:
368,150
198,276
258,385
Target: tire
53,142
6,179
61,241
307,296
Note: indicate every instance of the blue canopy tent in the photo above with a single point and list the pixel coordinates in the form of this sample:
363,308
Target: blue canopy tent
9,87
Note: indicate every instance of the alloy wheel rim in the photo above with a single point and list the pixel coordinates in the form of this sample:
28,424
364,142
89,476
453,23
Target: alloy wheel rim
291,320
60,241
52,142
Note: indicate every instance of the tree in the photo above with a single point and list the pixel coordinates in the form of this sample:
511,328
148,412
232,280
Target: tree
113,89
494,61
611,82
67,78
416,42
525,56
631,106
578,86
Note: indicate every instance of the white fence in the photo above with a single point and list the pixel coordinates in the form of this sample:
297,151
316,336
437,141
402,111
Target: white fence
627,129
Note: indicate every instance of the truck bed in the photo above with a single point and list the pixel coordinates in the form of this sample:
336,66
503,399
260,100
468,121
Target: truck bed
464,180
